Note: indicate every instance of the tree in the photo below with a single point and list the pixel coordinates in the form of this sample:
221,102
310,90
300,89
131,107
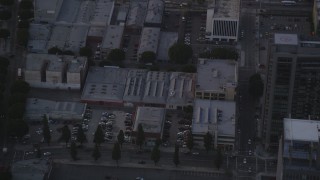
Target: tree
180,53
5,15
116,55
6,3
155,154
23,36
20,86
176,160
16,111
46,130
85,51
17,98
4,33
18,127
81,137
54,50
218,159
39,154
224,53
190,142
4,62
120,137
116,152
140,136
73,150
189,68
66,134
148,57
256,86
96,153
98,136
68,52
25,14
23,24
207,140
5,173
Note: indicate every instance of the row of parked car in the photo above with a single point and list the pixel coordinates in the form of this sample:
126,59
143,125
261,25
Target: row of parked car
106,122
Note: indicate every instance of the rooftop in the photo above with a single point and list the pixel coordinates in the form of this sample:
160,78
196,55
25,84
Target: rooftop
77,38
301,130
149,40
181,88
156,90
151,119
216,74
214,115
39,35
85,12
47,10
154,12
122,13
137,13
31,169
113,36
228,9
69,11
285,39
135,85
105,83
97,31
102,12
59,35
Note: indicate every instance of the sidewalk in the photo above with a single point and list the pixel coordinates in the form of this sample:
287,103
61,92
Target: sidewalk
135,165
262,154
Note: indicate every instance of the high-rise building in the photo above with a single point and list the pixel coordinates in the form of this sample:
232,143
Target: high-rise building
292,84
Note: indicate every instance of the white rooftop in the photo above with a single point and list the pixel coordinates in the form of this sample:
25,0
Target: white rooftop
154,12
151,119
216,74
286,39
156,87
301,130
113,36
226,9
214,115
149,40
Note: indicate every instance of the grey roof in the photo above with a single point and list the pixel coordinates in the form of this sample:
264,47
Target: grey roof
31,169
96,31
214,115
149,40
36,108
135,85
137,13
59,35
85,11
154,12
39,35
77,38
215,75
286,39
105,84
102,12
167,39
226,9
69,11
47,10
122,13
151,119
181,90
156,90
112,38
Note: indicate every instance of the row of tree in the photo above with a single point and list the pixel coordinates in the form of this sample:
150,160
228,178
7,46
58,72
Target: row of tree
220,53
4,63
25,13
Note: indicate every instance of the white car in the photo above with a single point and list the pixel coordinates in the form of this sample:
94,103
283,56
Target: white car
249,141
250,152
47,153
244,160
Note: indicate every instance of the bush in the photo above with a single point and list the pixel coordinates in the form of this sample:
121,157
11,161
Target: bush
116,55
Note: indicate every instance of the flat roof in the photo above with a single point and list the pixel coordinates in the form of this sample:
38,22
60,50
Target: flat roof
59,35
102,13
151,119
167,39
122,12
154,12
214,115
285,39
216,74
135,85
301,130
34,62
226,9
181,88
69,11
36,108
137,13
156,90
96,31
47,10
149,40
39,35
113,36
85,11
77,38
105,84
31,169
